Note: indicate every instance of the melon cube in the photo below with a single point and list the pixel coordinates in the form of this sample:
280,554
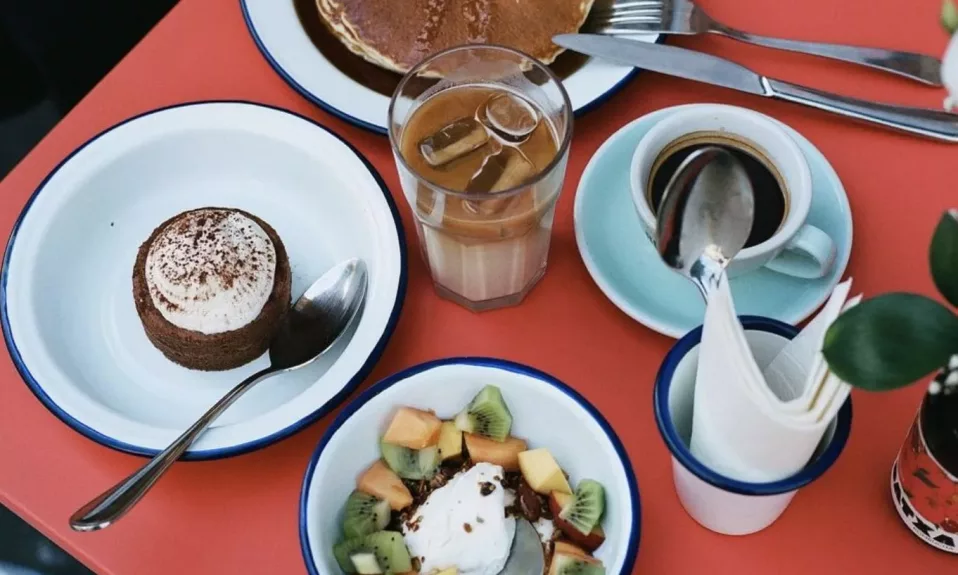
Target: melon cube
382,482
504,453
413,428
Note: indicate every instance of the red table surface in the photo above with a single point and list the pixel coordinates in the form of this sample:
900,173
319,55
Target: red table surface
240,515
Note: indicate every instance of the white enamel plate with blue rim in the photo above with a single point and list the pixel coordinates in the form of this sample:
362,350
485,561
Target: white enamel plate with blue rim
278,33
626,267
546,412
67,304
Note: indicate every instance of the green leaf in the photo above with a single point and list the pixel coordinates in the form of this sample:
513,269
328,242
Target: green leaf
944,256
949,16
891,341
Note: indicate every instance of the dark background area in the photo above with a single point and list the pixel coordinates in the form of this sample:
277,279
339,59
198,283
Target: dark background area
52,52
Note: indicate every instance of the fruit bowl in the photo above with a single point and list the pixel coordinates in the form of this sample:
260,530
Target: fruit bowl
546,413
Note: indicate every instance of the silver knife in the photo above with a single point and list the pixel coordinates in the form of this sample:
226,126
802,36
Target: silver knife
701,67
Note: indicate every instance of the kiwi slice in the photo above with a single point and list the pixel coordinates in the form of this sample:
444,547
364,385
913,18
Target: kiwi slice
344,550
569,565
364,514
586,509
390,551
429,460
366,563
486,415
411,463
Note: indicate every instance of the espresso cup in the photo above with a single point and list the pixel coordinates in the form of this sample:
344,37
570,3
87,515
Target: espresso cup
775,164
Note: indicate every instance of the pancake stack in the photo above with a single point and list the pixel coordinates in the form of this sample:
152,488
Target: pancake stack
397,34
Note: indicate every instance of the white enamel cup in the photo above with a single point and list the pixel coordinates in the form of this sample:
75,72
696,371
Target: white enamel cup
717,502
797,248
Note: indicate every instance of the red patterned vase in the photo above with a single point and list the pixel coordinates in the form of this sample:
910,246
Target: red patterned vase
924,479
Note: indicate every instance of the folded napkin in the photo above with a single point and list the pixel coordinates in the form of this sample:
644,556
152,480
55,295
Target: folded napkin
760,409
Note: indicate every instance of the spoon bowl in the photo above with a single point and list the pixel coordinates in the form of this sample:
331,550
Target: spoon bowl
705,216
314,324
526,556
319,318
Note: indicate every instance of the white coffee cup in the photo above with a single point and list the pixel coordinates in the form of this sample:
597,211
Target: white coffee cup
797,248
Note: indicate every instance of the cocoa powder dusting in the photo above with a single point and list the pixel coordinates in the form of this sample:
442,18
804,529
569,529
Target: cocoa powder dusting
195,252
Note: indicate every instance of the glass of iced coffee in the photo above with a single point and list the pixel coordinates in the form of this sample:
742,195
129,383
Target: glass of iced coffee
481,137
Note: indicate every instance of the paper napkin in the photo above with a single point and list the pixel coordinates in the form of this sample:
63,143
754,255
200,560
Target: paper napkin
760,408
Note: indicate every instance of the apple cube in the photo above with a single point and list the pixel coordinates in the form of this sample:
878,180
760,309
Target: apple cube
564,563
383,483
542,473
450,441
413,428
559,501
589,542
505,453
366,564
566,548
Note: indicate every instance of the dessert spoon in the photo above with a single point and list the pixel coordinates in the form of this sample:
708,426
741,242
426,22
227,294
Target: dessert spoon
312,326
705,216
526,556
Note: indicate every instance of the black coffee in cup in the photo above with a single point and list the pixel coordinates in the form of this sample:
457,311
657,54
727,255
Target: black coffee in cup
771,194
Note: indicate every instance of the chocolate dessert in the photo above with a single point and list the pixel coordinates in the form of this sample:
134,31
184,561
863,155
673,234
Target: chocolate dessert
211,287
397,39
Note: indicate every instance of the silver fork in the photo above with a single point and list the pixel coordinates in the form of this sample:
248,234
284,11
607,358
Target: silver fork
630,17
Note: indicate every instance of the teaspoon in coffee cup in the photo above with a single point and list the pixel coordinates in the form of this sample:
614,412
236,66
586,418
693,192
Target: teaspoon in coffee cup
705,216
526,556
311,327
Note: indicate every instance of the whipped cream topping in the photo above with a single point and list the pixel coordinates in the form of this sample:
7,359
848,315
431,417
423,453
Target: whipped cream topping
458,526
545,528
211,271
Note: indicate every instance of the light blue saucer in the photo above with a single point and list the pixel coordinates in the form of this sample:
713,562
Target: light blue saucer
624,263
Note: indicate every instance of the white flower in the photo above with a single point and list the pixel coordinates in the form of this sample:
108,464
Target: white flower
949,74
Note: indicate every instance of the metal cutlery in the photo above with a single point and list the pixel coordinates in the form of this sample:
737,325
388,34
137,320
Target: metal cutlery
317,320
624,17
526,556
705,217
700,67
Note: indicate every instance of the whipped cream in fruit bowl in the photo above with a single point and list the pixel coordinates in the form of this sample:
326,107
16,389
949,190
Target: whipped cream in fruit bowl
427,471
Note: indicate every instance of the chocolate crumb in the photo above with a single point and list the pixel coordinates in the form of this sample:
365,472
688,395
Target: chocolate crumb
529,502
467,527
546,510
486,488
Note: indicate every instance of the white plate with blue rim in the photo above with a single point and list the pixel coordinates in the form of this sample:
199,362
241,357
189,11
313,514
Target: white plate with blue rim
546,413
624,264
66,296
347,87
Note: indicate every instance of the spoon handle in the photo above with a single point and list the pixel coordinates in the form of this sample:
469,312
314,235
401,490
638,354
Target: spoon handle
113,503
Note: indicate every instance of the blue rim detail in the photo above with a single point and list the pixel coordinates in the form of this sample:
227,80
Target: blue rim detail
379,129
663,419
218,453
635,530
